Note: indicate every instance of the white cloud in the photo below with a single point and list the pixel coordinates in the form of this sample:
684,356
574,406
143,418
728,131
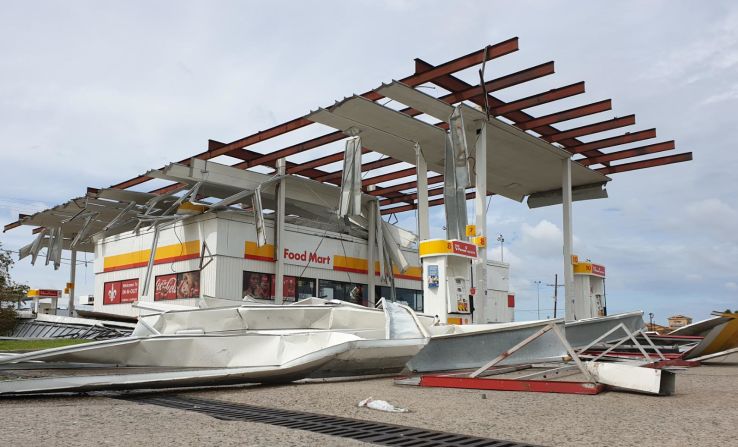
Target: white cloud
730,285
544,238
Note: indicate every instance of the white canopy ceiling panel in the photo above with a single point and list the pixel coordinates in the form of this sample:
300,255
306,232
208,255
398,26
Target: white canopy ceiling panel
382,129
519,164
416,99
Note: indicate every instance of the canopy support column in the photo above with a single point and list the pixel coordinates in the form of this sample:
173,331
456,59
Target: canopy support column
422,185
279,234
371,246
480,220
72,279
568,241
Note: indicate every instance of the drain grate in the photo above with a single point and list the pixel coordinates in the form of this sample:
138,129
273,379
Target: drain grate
361,430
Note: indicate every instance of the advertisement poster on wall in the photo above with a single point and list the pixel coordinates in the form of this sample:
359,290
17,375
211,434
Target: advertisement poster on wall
433,278
129,291
111,292
177,285
261,286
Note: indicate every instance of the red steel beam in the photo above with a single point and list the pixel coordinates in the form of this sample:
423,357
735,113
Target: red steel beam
322,161
431,193
364,168
653,162
460,63
540,98
500,83
451,98
387,177
628,153
452,84
399,209
565,115
589,129
266,159
587,148
403,186
536,386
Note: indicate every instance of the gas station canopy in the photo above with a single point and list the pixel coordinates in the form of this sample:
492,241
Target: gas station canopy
518,164
524,151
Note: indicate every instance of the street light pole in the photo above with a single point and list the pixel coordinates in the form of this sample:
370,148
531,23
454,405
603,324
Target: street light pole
538,285
501,240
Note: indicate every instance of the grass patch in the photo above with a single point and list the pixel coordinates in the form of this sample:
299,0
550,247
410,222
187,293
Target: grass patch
33,345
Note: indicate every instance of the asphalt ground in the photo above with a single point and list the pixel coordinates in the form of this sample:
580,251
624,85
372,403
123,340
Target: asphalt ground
703,411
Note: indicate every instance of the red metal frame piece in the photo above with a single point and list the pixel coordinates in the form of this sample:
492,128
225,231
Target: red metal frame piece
497,384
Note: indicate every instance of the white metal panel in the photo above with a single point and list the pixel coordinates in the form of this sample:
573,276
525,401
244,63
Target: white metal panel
519,164
417,100
498,276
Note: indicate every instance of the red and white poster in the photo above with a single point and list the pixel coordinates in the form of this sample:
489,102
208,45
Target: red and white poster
177,285
165,287
112,292
129,290
188,284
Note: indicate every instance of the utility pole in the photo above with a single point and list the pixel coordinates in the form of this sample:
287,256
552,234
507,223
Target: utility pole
556,286
538,287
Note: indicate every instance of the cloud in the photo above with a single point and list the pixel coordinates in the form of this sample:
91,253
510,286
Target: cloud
544,238
730,285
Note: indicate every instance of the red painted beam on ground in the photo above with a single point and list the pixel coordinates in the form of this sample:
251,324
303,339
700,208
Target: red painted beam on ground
536,386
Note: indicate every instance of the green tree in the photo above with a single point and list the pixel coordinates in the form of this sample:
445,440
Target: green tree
9,289
10,292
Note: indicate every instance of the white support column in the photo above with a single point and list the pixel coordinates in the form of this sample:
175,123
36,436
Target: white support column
480,220
72,279
279,234
422,184
568,242
371,250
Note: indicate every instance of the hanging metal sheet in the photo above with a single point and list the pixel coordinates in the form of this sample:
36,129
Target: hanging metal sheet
350,199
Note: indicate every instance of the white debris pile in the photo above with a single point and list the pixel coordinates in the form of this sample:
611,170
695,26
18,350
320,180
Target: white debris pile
381,405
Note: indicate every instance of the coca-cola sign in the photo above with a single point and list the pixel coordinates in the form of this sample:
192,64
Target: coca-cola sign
177,285
165,287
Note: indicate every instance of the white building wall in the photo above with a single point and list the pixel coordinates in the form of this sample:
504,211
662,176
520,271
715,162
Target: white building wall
226,235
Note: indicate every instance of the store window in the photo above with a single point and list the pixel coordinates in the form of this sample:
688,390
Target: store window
344,291
409,297
177,285
305,288
261,286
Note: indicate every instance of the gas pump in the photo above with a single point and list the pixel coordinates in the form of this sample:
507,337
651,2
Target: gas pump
447,279
589,288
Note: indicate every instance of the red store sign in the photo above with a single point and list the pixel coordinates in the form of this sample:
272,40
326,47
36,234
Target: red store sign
117,292
464,248
165,287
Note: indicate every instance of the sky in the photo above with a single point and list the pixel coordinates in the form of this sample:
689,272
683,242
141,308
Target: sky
95,92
